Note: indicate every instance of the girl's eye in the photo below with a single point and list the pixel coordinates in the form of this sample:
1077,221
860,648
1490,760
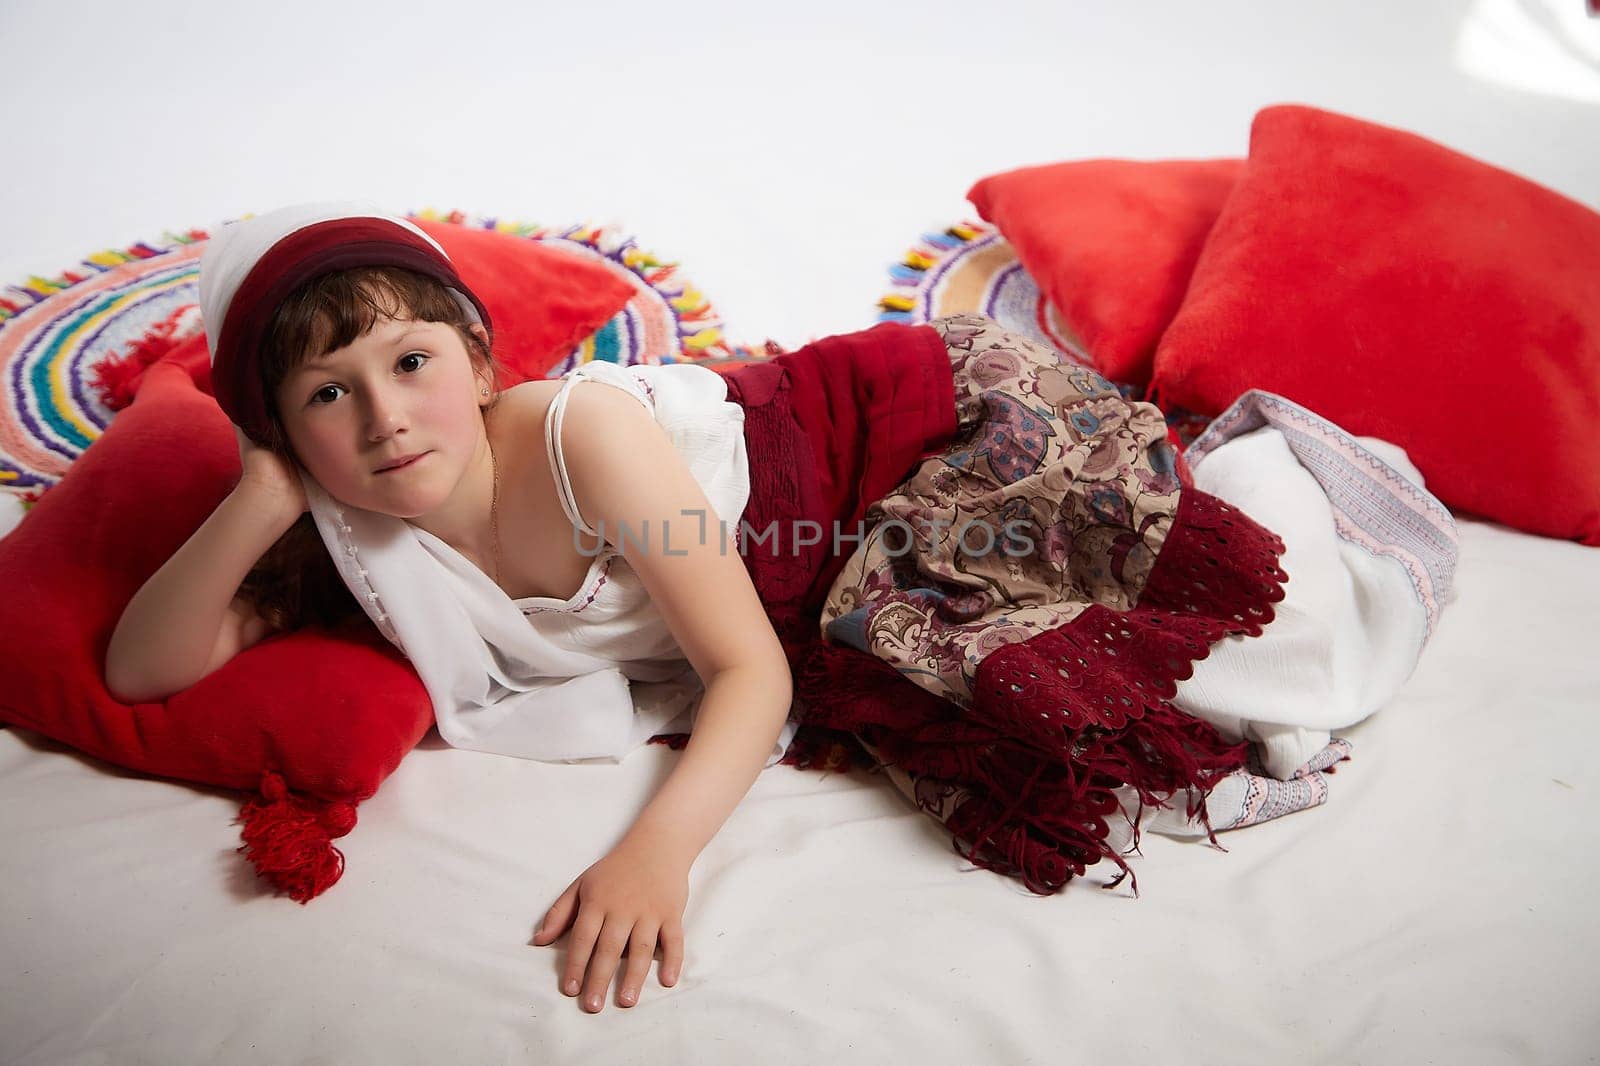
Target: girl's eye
411,362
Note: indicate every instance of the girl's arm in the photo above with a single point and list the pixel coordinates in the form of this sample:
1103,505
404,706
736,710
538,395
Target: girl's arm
187,620
625,472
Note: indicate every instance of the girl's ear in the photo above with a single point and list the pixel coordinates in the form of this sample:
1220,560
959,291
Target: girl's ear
481,374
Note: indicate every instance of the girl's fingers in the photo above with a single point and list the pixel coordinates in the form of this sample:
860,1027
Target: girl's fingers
671,954
641,950
581,945
603,962
556,918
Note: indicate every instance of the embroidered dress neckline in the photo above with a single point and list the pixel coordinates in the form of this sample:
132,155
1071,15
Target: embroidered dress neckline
591,578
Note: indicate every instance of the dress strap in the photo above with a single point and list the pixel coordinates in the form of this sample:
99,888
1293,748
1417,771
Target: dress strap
553,420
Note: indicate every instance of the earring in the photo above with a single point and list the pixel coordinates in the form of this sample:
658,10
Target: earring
483,392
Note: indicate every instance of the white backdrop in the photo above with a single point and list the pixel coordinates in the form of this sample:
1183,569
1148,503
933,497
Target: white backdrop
785,155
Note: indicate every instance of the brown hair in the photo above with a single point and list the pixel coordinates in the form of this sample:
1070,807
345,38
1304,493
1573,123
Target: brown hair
295,583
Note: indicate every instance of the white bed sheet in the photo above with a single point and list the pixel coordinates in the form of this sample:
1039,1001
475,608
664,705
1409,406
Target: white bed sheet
1437,909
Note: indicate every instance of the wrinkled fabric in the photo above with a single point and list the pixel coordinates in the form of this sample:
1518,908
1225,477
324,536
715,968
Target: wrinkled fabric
1008,697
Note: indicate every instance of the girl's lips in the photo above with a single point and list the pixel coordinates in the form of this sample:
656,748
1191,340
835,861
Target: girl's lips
405,465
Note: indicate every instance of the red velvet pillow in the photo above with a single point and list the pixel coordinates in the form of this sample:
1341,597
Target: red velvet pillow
1112,243
542,300
1407,292
328,714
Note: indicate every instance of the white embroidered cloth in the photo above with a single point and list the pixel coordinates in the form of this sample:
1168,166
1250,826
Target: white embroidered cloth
1371,558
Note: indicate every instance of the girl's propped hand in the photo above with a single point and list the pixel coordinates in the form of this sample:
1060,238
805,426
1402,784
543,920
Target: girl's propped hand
633,898
274,481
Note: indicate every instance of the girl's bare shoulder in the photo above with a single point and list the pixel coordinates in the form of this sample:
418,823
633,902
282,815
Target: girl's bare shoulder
536,393
520,410
595,417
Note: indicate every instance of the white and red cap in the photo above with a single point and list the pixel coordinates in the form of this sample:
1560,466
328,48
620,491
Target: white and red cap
250,266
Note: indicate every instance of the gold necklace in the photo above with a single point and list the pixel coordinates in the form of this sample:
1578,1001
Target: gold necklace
494,512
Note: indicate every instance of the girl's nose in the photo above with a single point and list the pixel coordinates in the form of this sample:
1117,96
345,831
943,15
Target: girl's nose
385,417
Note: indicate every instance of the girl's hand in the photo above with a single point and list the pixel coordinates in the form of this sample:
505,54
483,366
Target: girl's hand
629,899
269,478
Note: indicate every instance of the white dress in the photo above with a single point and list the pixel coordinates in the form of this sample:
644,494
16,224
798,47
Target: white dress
589,677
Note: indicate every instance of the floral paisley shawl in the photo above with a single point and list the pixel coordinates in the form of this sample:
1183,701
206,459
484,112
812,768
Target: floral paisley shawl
1042,582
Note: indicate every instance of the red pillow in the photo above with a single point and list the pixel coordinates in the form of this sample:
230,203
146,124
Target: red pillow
1112,243
1407,292
328,714
541,299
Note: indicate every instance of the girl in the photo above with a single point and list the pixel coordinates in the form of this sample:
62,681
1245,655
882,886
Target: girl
346,345
502,540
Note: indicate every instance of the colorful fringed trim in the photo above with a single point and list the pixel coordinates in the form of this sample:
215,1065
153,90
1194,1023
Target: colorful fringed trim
14,299
699,328
909,302
678,320
912,270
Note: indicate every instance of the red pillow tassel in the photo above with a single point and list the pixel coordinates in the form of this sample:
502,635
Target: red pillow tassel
289,838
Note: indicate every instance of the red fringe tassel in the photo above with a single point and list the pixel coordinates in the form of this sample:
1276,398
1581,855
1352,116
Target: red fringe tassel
1061,721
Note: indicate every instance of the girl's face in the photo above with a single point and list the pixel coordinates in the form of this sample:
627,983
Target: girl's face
407,390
